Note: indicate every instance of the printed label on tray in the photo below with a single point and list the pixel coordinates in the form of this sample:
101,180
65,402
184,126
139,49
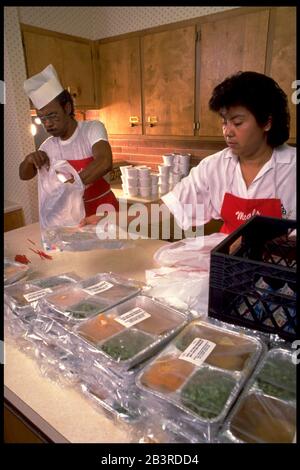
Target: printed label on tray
37,294
132,317
197,351
101,286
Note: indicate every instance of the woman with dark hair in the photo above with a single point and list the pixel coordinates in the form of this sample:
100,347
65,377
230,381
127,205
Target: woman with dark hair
83,144
256,173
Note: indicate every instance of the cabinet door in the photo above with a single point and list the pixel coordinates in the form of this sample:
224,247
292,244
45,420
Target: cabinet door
78,72
41,50
283,56
168,60
226,47
120,86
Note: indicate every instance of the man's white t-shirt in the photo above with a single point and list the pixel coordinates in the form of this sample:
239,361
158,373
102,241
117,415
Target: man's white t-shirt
207,183
79,145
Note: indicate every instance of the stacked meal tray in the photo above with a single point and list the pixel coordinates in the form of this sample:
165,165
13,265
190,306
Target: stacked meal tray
21,299
199,376
14,271
266,411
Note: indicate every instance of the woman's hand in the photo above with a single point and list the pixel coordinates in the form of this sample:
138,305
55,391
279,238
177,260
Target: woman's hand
92,219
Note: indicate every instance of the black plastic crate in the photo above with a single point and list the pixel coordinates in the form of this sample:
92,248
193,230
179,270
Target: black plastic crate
253,277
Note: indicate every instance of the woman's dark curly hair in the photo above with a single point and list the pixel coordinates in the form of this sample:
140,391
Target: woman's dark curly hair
262,96
63,98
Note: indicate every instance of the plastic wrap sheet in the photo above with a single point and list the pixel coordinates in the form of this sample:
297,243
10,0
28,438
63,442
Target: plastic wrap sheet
83,238
14,271
266,410
183,288
199,376
58,363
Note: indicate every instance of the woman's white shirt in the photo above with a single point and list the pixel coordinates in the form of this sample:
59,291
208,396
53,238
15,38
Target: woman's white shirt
198,198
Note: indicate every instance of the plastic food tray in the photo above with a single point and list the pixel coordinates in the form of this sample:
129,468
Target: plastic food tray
14,271
266,410
123,345
191,390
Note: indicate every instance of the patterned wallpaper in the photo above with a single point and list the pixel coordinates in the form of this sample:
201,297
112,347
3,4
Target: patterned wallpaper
88,22
18,141
102,22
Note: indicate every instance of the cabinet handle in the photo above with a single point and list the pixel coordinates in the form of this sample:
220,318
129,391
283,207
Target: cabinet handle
151,121
133,121
74,91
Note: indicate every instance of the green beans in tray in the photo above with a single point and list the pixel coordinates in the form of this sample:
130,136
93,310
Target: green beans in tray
126,345
207,392
278,377
85,309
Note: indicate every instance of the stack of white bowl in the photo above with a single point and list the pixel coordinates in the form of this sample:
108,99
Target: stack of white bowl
163,178
144,181
129,177
181,163
154,183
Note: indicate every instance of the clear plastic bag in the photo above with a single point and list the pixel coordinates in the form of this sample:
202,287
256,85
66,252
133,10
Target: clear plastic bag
60,203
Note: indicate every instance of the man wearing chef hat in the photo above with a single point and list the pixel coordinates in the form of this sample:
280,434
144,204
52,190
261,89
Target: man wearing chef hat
83,144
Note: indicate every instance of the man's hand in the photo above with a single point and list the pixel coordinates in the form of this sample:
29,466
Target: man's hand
38,159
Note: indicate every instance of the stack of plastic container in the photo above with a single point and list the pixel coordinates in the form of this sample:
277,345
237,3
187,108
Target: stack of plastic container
21,300
14,271
199,375
113,330
266,411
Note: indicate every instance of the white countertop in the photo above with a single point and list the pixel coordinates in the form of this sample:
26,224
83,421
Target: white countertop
63,414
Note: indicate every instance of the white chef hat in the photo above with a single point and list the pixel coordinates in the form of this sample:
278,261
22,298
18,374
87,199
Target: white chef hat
43,87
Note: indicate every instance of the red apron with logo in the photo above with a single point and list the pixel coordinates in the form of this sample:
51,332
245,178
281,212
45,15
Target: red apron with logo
236,210
95,193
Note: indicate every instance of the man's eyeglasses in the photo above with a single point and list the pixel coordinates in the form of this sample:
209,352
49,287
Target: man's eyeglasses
49,117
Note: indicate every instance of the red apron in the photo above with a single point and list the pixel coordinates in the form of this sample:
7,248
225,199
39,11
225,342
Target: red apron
236,210
95,193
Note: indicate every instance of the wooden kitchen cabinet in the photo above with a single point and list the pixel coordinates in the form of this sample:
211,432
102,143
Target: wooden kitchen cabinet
282,63
120,86
168,71
226,47
13,219
72,58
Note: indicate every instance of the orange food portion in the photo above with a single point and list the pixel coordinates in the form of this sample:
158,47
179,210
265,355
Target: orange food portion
167,374
99,328
67,298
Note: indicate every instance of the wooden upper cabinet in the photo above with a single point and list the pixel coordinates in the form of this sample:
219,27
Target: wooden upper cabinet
283,55
40,51
120,86
71,58
78,75
168,73
226,47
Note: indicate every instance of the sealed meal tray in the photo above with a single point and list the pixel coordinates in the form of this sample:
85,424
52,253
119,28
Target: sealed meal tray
276,376
111,287
14,271
259,418
71,303
191,375
131,331
129,410
21,297
55,281
266,411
